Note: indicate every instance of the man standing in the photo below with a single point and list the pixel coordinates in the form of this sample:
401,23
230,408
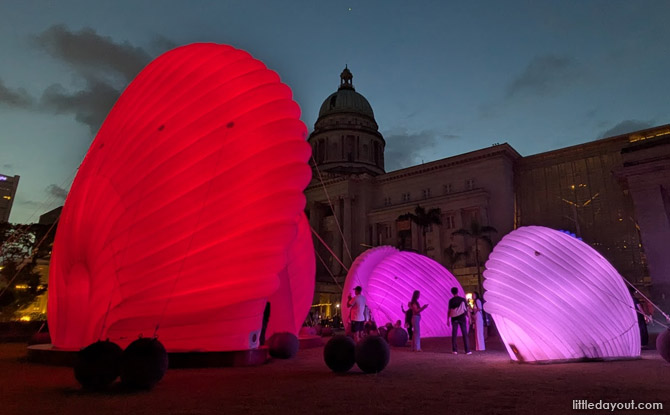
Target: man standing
357,313
457,318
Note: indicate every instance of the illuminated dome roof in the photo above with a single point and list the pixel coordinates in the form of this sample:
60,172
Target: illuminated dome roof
346,99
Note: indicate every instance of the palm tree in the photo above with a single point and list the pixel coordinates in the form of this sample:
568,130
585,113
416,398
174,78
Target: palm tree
478,233
424,219
452,256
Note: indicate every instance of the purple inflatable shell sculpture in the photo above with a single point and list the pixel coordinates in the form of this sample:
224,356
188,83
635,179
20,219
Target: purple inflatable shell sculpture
388,278
554,298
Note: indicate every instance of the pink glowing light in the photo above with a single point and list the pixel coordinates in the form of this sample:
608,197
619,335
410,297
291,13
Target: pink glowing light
553,297
186,213
389,277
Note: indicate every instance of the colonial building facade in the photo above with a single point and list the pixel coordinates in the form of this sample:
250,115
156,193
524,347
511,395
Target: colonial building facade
612,192
353,204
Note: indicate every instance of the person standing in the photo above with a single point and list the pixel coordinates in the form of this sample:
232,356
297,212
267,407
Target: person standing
478,318
408,318
416,320
358,304
457,312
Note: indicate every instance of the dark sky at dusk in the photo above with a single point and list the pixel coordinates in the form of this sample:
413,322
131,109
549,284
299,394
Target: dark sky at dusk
442,77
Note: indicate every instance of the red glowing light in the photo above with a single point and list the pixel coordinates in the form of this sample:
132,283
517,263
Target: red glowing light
183,213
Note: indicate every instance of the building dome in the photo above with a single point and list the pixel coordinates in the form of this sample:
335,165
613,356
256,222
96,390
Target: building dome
346,138
346,99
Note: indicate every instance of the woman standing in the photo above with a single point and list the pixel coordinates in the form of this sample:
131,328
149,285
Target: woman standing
479,322
416,320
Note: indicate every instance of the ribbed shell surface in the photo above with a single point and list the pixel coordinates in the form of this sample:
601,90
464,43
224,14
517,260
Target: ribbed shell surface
183,211
554,298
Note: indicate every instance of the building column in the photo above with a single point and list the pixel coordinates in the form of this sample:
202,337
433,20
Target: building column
437,243
346,229
337,238
416,235
314,216
375,235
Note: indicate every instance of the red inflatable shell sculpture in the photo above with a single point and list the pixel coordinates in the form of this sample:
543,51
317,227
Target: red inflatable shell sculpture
186,215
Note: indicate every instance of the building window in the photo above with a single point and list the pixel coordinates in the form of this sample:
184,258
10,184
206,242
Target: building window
388,232
448,188
387,201
450,222
429,228
470,184
406,197
426,193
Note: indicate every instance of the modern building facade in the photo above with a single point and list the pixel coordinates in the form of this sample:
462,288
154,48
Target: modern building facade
645,176
613,193
575,189
8,186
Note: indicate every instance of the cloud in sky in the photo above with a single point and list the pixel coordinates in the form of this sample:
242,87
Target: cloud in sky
626,126
56,191
544,76
15,98
405,149
105,66
90,54
90,105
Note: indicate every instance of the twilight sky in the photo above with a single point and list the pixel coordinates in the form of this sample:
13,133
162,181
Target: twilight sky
443,77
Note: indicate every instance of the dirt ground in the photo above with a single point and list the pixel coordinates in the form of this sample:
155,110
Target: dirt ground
431,382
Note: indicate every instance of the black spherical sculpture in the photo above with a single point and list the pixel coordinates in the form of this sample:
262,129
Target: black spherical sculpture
98,365
663,344
340,353
283,345
372,354
397,337
144,363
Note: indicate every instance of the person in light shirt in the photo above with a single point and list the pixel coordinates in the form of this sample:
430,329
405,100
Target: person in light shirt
358,305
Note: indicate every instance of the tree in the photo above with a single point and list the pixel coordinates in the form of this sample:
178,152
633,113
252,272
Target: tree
423,219
19,282
478,233
452,256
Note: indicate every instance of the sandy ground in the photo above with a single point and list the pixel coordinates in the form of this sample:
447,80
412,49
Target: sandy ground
432,382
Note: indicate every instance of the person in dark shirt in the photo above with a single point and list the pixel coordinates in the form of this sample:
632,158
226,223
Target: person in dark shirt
408,318
457,318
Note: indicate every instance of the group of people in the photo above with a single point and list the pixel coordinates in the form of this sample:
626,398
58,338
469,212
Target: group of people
461,314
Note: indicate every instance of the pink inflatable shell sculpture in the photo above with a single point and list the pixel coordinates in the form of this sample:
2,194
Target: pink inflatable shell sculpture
388,278
554,298
186,215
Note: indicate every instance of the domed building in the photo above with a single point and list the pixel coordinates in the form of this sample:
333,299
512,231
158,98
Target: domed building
346,139
354,204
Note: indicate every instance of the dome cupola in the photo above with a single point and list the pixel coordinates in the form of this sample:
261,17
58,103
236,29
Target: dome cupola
346,99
